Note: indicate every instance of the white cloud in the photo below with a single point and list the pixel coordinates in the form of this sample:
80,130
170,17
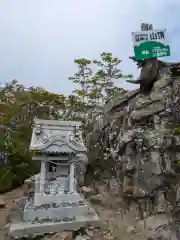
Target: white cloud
40,39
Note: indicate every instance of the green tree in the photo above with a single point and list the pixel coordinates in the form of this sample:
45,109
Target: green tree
18,107
107,75
98,86
82,77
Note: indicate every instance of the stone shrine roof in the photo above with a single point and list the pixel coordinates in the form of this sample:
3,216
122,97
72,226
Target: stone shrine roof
55,136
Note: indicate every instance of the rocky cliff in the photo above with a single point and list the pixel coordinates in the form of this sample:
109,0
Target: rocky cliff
137,141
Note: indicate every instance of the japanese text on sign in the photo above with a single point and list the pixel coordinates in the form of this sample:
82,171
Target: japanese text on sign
149,36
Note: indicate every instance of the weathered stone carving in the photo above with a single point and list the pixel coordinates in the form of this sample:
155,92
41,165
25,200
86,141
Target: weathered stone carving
80,163
151,71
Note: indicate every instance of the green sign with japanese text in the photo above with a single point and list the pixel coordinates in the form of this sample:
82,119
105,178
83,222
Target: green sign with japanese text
150,44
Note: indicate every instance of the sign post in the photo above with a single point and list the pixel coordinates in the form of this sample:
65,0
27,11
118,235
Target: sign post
150,43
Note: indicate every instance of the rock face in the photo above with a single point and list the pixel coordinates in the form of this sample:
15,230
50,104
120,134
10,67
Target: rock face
135,140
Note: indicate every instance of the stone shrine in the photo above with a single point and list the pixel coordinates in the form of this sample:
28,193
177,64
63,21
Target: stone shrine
53,203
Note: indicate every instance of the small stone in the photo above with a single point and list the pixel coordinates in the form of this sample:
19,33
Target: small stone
2,203
7,226
87,191
90,233
87,237
80,237
131,229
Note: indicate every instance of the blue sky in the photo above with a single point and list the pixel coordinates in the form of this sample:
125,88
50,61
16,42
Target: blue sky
40,38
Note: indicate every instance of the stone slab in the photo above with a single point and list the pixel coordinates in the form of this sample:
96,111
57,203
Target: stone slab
58,198
32,214
28,229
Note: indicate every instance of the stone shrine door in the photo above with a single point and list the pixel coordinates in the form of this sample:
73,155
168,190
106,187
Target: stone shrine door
57,177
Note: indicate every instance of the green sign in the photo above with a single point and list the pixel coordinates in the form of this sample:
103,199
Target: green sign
150,44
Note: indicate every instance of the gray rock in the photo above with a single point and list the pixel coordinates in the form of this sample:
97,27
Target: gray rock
149,110
89,232
137,144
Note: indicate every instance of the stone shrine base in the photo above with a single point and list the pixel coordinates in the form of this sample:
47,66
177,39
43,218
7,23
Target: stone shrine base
25,229
75,205
72,218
